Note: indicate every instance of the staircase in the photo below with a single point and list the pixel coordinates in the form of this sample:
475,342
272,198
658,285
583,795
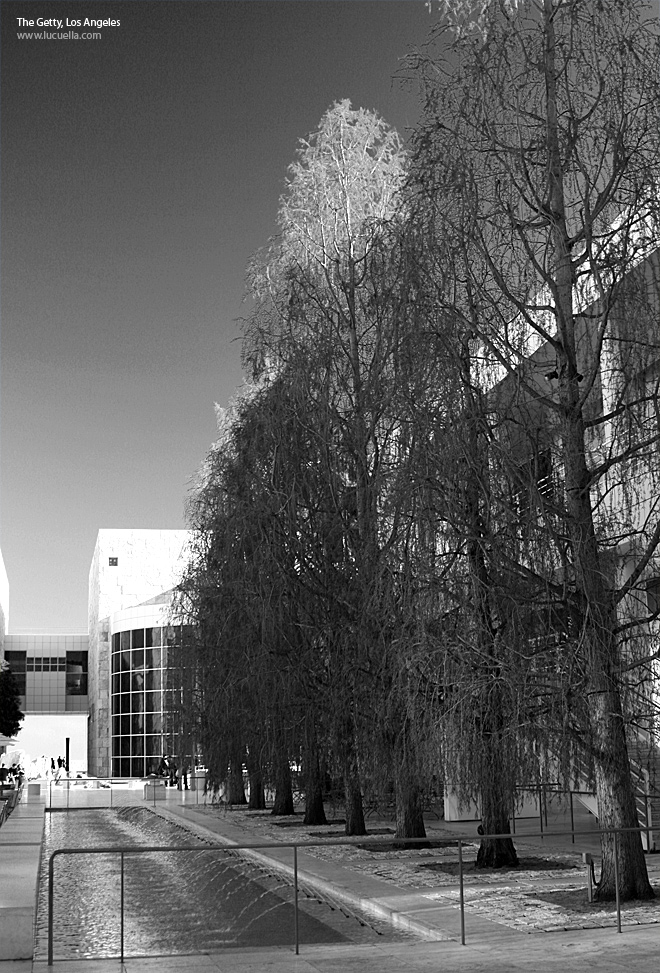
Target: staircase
645,772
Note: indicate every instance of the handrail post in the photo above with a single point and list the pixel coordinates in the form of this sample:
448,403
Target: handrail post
295,895
461,898
50,907
121,909
570,797
616,881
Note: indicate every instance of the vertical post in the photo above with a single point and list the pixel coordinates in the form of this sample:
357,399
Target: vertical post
66,754
50,909
541,810
513,814
121,908
570,797
616,881
461,897
110,782
295,894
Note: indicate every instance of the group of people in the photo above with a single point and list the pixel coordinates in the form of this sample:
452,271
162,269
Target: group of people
11,775
168,769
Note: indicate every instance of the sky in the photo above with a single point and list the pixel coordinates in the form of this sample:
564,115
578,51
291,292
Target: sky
140,171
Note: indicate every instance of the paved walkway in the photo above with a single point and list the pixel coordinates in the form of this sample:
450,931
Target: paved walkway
503,919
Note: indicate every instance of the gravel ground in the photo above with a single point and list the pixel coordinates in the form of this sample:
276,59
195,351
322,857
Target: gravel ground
548,891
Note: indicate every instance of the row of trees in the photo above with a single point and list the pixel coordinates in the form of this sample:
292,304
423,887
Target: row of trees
422,539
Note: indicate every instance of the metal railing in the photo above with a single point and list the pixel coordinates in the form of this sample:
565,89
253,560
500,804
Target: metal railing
9,798
545,789
285,870
116,792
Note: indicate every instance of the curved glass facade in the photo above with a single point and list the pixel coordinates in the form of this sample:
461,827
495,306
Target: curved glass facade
144,691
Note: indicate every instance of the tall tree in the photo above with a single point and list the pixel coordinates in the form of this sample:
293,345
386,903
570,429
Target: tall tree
11,716
537,158
328,313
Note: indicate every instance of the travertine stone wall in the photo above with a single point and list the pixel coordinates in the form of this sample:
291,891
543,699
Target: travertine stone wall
129,567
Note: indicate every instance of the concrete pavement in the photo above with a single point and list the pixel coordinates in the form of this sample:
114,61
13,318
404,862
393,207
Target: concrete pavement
20,851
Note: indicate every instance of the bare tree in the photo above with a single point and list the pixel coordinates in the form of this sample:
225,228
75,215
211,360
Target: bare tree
332,314
537,158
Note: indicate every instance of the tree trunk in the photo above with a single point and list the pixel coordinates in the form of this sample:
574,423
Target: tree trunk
283,803
409,814
616,803
495,807
235,791
314,810
257,799
353,798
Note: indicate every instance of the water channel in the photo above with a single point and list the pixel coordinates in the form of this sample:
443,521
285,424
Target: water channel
174,902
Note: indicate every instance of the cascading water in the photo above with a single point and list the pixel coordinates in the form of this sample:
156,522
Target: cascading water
174,902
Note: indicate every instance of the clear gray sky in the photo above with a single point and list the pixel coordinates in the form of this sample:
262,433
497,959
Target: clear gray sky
139,173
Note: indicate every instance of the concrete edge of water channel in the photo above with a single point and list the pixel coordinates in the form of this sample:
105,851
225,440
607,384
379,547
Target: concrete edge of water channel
396,918
21,843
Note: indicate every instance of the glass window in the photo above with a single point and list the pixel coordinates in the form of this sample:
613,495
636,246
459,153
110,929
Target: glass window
137,638
152,657
30,665
154,745
76,681
123,768
153,702
115,683
153,637
137,767
125,640
124,703
76,673
138,658
137,725
115,642
17,661
154,724
137,702
152,679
